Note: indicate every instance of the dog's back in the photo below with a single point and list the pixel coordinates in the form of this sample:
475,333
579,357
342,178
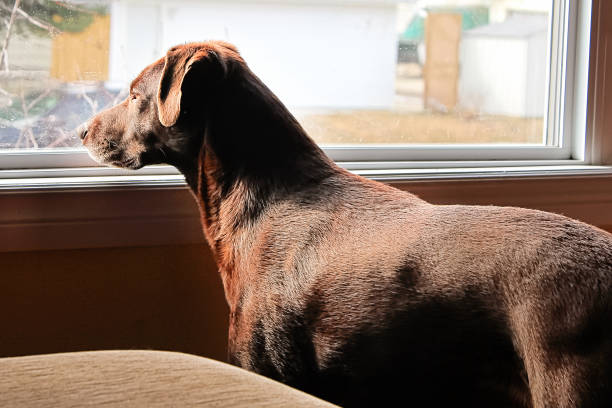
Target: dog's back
371,288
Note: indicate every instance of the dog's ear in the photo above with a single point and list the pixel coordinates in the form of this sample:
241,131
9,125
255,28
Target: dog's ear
180,64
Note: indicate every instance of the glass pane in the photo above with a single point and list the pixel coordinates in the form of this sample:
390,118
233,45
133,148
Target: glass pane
53,72
465,72
359,72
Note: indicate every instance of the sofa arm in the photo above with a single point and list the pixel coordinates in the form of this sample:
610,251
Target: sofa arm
138,379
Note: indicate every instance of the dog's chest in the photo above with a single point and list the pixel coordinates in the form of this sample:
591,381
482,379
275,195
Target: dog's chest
273,340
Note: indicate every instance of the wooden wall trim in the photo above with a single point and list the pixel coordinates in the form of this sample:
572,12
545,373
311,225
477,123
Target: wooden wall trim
599,112
124,216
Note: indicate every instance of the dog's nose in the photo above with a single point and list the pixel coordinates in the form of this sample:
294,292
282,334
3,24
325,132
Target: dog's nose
82,131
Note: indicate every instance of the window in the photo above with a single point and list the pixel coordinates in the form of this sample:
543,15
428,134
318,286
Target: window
376,83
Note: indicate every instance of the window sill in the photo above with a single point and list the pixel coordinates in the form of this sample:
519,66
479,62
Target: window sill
394,172
53,213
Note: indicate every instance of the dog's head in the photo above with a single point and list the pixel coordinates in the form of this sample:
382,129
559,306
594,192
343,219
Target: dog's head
163,111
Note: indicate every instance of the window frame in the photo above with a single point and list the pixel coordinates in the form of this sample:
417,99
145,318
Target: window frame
569,42
571,53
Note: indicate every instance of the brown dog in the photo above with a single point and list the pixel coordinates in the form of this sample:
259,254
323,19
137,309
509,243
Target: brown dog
351,289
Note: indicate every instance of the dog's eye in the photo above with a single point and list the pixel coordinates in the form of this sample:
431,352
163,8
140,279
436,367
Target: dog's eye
133,97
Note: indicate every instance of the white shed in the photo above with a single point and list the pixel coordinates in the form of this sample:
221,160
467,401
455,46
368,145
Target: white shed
311,53
503,67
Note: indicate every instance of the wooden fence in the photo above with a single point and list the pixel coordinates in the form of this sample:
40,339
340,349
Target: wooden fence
82,56
441,71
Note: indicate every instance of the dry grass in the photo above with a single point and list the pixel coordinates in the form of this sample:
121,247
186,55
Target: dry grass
380,127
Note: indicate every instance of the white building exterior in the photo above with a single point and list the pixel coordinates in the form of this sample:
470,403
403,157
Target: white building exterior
311,53
499,9
502,9
503,67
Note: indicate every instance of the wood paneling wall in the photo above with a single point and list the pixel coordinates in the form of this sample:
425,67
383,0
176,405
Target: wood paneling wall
163,298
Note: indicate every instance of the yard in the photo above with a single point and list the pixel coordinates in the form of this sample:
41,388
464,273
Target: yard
409,123
419,128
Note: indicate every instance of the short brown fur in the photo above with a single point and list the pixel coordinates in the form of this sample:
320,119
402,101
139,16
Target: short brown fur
351,289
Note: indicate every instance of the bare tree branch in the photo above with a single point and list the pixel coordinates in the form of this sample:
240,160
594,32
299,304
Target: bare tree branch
4,54
23,136
26,135
24,107
4,58
19,139
115,98
93,105
38,99
6,93
52,30
61,140
31,137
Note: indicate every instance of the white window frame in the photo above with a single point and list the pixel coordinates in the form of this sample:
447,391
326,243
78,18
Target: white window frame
569,41
566,124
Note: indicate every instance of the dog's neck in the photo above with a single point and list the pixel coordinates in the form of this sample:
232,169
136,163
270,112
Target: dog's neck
253,153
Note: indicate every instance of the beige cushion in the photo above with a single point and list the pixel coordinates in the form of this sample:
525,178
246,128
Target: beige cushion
138,379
